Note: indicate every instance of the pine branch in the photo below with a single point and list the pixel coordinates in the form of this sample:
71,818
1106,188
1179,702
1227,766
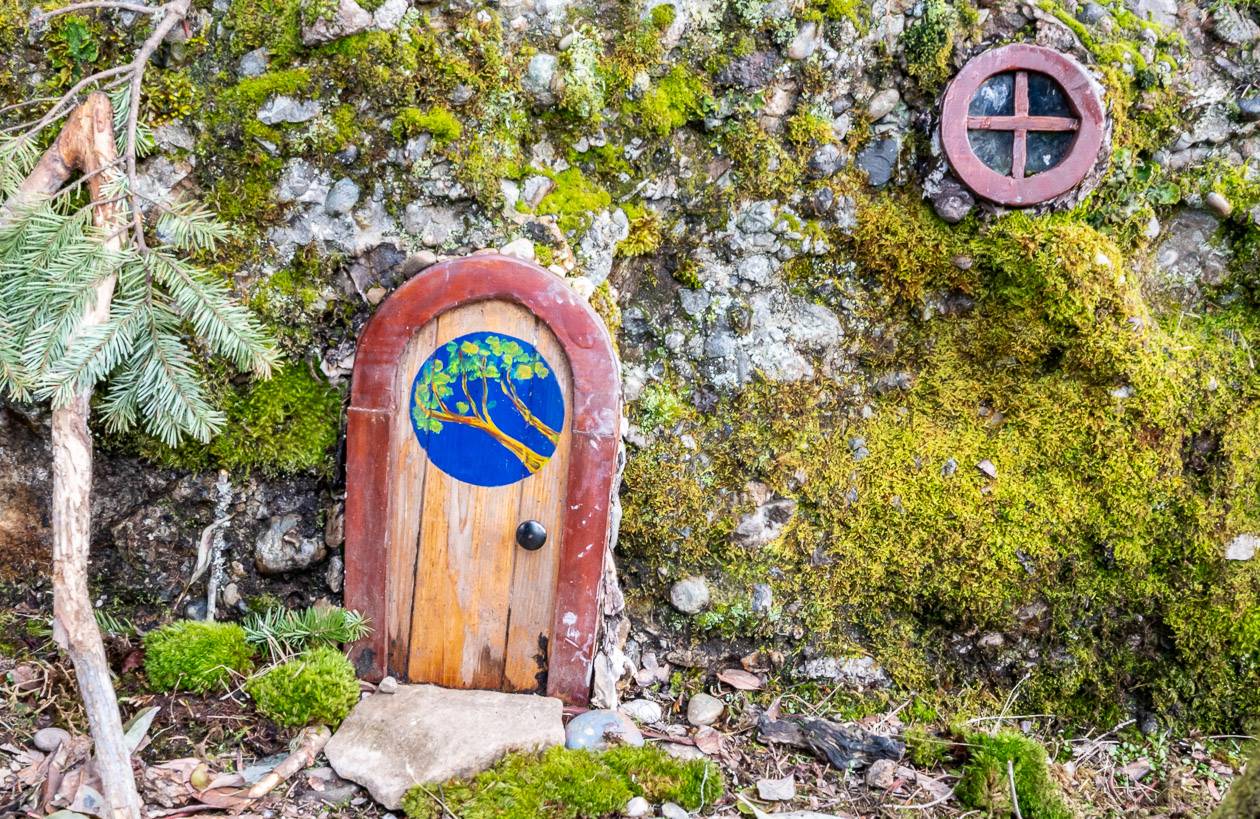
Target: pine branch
228,328
169,391
95,353
187,226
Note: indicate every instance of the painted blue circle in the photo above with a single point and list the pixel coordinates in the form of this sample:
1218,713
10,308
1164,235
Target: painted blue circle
487,409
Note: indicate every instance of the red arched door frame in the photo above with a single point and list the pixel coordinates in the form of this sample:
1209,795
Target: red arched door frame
596,427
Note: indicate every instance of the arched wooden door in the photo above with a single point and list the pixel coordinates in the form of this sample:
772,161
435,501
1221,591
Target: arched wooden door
481,453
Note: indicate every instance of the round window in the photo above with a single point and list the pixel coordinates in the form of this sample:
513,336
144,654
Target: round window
1022,124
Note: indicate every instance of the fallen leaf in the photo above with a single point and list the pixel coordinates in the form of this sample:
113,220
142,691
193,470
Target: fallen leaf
741,680
708,740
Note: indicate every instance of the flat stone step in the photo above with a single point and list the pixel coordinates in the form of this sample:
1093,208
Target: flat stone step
423,734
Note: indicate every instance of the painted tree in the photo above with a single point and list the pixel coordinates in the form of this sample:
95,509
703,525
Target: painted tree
458,390
89,298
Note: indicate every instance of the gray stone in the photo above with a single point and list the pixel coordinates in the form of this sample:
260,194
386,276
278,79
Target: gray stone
690,596
859,672
882,104
535,188
303,182
539,75
881,775
765,524
343,196
825,161
987,468
949,468
1232,25
50,739
1243,547
750,72
762,598
671,811
434,224
637,807
595,251
1249,108
806,41
777,790
879,159
283,548
388,685
703,709
1090,13
422,734
822,201
1163,12
599,729
334,575
1188,258
642,711
253,63
389,14
348,18
681,751
284,109
951,201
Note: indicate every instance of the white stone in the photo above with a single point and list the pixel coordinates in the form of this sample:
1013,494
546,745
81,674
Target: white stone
520,248
1243,547
422,734
642,711
389,15
284,109
637,807
777,790
690,595
882,104
704,709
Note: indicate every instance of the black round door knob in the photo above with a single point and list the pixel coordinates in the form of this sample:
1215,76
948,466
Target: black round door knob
531,535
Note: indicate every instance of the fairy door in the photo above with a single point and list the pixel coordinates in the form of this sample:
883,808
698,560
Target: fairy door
481,451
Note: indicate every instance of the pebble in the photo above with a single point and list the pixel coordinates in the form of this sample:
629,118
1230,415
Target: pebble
520,248
593,731
882,104
777,790
1218,204
987,468
1243,547
881,774
805,42
690,596
50,739
671,811
1249,108
637,807
642,711
387,686
704,710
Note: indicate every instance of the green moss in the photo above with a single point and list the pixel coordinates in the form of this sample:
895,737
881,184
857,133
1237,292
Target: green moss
440,122
1243,799
671,102
994,760
659,406
808,130
275,25
286,424
923,749
194,656
318,686
928,44
565,784
762,167
663,16
905,246
574,200
645,231
582,96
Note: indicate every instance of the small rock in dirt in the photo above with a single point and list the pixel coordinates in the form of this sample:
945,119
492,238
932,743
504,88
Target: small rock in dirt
519,248
690,596
389,685
348,18
1243,547
777,790
1249,108
879,159
704,709
642,711
681,751
764,524
50,739
671,811
987,468
343,196
425,734
283,109
637,807
825,161
882,774
282,547
762,598
805,42
952,202
599,729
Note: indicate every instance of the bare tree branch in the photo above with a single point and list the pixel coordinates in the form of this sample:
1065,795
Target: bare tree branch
116,5
67,101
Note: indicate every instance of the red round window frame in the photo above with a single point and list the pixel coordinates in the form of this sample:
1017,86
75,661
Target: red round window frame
1082,95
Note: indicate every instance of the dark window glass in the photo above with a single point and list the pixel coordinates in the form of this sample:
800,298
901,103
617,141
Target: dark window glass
1047,149
996,98
1046,98
995,148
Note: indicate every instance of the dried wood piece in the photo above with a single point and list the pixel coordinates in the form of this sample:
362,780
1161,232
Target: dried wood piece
310,744
845,747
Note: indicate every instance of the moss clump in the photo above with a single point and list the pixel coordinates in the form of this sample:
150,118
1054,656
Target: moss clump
318,686
574,200
929,43
671,102
284,425
272,24
1243,799
193,656
583,94
645,231
440,122
906,247
806,130
762,167
565,784
986,778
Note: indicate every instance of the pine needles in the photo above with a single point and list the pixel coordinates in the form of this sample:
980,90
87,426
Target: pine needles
166,314
287,632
